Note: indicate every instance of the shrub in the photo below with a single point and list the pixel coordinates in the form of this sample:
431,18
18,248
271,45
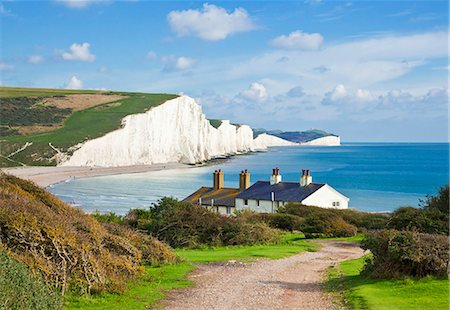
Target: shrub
320,221
281,221
71,249
406,253
432,218
21,289
181,224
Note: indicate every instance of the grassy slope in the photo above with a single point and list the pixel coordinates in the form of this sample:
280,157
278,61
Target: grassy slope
10,92
365,293
81,125
159,279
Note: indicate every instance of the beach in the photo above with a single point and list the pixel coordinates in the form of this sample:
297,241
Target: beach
48,175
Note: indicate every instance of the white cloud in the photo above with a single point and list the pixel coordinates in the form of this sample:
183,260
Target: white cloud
299,40
79,52
211,23
337,93
6,67
151,55
257,92
181,63
74,83
358,63
35,59
79,4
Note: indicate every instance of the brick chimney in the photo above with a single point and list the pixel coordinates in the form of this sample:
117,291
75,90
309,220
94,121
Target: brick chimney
306,177
244,180
276,176
218,179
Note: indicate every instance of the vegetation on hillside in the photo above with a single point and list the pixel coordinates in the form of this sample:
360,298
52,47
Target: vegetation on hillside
10,92
80,126
20,288
71,250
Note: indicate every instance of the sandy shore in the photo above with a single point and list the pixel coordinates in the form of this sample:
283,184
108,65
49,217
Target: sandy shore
45,176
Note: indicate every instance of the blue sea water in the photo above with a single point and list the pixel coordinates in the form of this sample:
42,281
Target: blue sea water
375,176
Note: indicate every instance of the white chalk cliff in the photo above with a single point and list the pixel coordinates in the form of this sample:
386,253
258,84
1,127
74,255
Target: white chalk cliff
324,141
175,131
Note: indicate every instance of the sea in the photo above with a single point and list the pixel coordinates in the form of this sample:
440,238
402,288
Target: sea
376,177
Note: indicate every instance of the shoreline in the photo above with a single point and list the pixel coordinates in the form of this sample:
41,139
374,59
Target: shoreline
46,176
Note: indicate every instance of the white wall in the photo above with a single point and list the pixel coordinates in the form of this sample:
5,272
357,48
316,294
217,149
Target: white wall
325,196
222,210
265,206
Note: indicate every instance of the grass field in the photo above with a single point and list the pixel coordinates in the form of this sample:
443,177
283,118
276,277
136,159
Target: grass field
158,280
10,92
80,126
291,244
360,292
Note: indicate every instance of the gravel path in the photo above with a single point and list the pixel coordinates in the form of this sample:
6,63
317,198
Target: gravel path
289,283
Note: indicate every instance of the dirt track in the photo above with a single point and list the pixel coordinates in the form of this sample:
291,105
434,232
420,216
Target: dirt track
290,283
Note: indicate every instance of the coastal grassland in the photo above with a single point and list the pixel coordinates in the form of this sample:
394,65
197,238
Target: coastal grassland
361,292
292,243
11,92
80,126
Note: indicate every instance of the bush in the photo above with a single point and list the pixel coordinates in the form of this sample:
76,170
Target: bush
21,289
181,224
281,221
406,253
320,221
71,249
432,218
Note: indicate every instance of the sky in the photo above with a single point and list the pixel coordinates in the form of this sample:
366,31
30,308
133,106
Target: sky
369,71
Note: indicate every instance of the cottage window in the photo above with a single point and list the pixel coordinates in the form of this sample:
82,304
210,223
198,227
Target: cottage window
246,202
336,203
228,210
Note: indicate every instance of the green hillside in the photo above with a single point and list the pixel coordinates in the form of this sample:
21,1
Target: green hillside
79,126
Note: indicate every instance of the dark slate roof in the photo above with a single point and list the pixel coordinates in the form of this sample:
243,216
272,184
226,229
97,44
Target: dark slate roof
283,191
222,197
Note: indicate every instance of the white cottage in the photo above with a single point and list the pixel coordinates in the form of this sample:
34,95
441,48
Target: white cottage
268,196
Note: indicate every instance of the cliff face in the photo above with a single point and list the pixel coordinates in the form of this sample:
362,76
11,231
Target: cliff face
324,141
176,131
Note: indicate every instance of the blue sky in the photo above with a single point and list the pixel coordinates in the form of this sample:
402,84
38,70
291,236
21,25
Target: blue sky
367,70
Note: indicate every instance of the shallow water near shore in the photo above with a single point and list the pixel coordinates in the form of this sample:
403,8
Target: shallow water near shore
375,176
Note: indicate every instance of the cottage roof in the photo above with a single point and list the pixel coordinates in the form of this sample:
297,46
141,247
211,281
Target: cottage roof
283,191
222,196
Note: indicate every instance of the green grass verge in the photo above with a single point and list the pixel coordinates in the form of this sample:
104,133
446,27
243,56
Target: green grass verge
360,292
140,294
291,244
80,126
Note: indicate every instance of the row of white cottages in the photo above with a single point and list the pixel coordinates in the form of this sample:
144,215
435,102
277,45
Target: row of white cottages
266,196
